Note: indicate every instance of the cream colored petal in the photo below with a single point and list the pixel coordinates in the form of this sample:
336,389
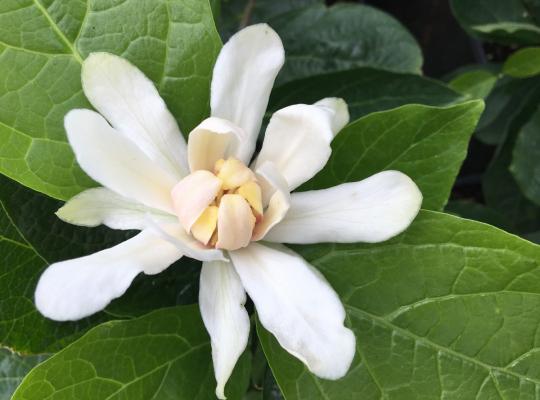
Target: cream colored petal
235,222
297,141
98,206
221,299
132,105
276,199
243,78
193,194
116,162
296,304
211,140
372,210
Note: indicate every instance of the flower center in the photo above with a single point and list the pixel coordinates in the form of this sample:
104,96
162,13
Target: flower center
235,209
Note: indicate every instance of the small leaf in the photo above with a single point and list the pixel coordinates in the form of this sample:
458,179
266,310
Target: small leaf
504,21
13,368
41,49
365,90
526,159
162,355
523,63
446,310
476,84
426,143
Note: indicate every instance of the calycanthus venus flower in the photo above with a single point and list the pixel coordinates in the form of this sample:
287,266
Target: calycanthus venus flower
207,201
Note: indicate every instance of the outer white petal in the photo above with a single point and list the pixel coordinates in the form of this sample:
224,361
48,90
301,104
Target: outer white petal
372,210
297,141
98,206
276,198
212,139
221,299
298,306
243,78
74,289
131,103
338,110
116,162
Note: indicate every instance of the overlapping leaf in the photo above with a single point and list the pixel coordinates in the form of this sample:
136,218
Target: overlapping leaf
447,310
42,44
163,355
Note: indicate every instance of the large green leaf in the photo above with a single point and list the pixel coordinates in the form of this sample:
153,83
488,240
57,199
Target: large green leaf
32,237
318,39
448,309
13,368
427,143
526,159
366,90
42,44
505,21
163,355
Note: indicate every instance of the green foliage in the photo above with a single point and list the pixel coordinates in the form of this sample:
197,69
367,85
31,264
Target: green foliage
447,309
365,90
162,355
526,159
31,238
476,84
13,368
505,21
523,63
427,143
42,47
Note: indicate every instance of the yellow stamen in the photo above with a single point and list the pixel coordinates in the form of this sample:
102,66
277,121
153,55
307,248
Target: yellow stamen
252,193
233,173
206,224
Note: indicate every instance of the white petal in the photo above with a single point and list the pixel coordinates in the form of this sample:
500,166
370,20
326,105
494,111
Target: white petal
116,162
298,306
185,243
338,110
74,289
297,141
372,210
131,103
276,198
235,222
98,206
243,78
221,299
212,139
193,194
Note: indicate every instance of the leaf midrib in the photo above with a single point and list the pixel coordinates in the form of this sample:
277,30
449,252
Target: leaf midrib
382,321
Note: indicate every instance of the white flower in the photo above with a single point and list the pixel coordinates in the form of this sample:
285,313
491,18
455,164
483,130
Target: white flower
201,201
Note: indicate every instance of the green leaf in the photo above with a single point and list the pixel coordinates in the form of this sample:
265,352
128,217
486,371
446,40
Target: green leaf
509,105
162,355
365,90
525,164
13,368
426,143
504,21
42,44
476,84
523,63
239,13
32,237
319,39
446,310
